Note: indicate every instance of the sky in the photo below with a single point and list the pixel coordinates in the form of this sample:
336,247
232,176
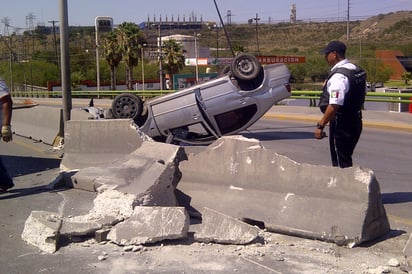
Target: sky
83,12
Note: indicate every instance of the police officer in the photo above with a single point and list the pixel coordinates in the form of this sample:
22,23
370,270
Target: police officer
341,103
6,105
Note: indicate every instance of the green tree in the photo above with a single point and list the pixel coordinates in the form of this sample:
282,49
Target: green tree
129,38
77,78
112,54
377,72
407,76
298,73
174,59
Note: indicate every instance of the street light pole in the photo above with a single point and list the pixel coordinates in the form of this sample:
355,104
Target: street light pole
142,60
196,64
160,59
97,57
65,62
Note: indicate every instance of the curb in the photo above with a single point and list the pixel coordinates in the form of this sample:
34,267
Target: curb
366,122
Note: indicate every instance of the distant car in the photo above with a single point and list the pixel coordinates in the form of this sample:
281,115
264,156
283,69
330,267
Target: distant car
202,113
373,86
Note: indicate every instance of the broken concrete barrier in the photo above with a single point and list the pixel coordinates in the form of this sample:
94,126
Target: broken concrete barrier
109,207
150,225
220,228
40,123
41,229
239,177
150,172
98,142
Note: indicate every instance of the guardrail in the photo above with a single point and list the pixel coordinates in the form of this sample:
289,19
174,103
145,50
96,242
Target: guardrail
387,97
90,94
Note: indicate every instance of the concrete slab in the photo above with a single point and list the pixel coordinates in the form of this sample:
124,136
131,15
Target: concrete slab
220,228
40,123
150,172
241,178
41,229
98,142
150,225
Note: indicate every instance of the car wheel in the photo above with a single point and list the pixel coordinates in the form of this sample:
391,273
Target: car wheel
245,67
127,105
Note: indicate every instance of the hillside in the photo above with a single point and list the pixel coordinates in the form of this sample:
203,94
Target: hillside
392,31
384,31
393,26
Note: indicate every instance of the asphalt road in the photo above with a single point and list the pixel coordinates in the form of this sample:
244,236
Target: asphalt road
34,165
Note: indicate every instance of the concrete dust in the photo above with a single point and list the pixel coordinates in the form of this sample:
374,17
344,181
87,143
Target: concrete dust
277,254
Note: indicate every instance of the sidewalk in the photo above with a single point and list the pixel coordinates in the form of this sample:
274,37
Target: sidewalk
371,118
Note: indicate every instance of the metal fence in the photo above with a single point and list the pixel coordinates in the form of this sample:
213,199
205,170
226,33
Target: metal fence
390,96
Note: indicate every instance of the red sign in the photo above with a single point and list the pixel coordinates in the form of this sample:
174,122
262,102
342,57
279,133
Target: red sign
264,60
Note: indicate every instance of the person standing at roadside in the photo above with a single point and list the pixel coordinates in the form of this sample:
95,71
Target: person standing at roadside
341,103
6,106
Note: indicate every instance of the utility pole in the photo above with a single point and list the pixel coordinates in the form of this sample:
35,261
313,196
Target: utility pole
257,37
53,22
347,23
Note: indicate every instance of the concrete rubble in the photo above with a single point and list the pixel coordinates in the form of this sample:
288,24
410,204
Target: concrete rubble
41,229
407,251
150,225
220,228
110,207
235,178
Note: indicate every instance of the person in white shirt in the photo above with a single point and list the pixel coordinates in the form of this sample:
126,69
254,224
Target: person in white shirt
341,103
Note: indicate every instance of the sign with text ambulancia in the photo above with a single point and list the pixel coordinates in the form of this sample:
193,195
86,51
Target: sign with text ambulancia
281,59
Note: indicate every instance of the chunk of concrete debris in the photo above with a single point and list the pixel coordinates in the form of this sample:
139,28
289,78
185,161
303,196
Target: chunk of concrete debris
150,172
407,250
220,228
150,225
41,229
241,178
394,262
101,235
110,207
98,142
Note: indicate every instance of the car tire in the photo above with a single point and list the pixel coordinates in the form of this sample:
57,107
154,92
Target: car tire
245,67
127,105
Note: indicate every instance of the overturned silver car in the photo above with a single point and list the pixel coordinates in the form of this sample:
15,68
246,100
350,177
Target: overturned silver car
202,113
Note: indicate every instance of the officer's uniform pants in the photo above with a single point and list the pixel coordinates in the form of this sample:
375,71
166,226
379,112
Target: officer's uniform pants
344,133
5,179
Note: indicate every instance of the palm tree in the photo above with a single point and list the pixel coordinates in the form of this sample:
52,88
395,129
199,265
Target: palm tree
112,54
174,59
129,38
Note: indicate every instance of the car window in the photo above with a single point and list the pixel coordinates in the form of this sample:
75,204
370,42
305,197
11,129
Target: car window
235,119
